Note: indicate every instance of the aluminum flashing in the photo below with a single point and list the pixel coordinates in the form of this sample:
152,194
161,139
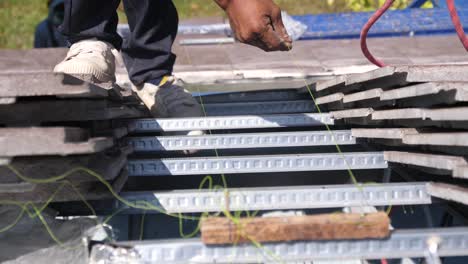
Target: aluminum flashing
377,74
332,83
260,108
459,89
230,122
66,191
257,164
437,139
352,113
439,162
392,76
332,98
107,165
349,98
461,171
281,198
434,73
414,74
402,243
49,110
441,114
449,192
49,141
448,93
364,95
47,84
247,140
411,136
383,133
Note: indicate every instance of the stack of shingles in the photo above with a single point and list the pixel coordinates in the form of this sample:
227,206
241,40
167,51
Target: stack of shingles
419,113
54,127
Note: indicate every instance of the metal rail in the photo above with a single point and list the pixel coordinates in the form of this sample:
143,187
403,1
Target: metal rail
402,243
257,164
277,198
230,122
236,141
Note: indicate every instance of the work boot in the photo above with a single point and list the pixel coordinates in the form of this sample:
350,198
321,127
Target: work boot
168,100
90,60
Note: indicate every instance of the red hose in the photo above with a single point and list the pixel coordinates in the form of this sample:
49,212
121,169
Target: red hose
378,14
457,23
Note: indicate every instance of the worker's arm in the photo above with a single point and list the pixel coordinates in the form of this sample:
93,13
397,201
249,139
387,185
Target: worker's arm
258,23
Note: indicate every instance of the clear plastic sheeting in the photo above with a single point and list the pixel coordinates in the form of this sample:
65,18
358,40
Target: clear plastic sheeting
294,27
106,254
28,241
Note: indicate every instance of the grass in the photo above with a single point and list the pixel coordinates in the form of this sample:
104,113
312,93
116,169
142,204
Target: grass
18,18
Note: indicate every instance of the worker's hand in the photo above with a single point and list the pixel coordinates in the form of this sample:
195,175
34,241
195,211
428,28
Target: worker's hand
258,23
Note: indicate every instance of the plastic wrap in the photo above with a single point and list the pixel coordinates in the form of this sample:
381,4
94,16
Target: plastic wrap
294,27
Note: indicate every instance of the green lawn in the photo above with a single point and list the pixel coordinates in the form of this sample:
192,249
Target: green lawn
18,18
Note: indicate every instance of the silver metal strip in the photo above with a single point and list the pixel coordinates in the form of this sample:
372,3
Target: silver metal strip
229,122
402,244
4,161
207,41
237,141
260,108
21,187
257,164
283,198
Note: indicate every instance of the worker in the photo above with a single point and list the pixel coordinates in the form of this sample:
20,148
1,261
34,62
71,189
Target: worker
91,26
47,35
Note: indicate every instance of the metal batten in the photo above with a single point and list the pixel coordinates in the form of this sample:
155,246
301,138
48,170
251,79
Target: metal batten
257,164
247,140
229,122
280,198
401,244
260,108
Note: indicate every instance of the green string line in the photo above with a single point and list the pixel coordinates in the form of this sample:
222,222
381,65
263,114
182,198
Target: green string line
146,206
236,217
15,222
142,225
37,212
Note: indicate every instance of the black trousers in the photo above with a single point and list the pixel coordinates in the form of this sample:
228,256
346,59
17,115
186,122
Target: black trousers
153,26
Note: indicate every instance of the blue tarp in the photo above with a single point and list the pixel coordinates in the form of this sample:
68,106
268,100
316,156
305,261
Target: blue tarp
405,22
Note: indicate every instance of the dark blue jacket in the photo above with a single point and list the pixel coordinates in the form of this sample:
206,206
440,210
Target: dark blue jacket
46,35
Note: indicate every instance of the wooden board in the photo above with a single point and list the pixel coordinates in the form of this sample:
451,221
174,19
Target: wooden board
219,230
